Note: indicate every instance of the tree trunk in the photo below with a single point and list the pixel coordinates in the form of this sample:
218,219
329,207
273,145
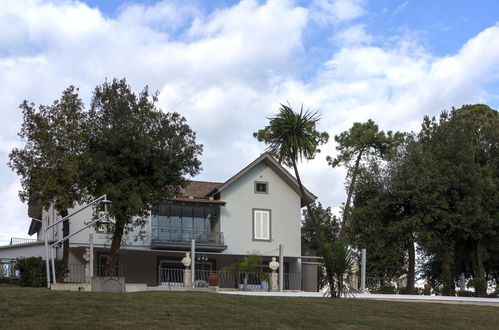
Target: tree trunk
446,272
411,267
112,261
481,286
65,244
346,210
309,210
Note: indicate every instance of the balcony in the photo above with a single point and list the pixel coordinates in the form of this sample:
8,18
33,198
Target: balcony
168,238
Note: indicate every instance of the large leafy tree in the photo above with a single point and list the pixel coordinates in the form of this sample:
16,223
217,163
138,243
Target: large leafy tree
137,155
320,219
50,162
461,178
361,141
372,224
328,224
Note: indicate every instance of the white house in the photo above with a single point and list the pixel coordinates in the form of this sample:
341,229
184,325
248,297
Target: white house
256,210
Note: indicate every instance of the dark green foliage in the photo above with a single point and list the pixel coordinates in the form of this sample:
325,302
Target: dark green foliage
49,165
460,197
387,289
328,224
292,136
32,271
251,268
361,141
137,155
338,260
373,225
438,189
51,161
251,263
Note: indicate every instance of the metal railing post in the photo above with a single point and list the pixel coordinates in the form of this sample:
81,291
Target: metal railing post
193,260
47,262
53,266
91,270
363,272
281,268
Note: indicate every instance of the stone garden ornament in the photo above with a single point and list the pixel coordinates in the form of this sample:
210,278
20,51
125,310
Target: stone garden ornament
186,261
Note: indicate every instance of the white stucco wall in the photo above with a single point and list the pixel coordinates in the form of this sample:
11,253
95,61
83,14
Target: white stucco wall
237,215
22,251
78,221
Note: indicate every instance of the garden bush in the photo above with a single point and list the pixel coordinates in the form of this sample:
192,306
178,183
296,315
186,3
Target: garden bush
32,271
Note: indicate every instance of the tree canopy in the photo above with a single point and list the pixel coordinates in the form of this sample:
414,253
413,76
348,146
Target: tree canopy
137,155
439,189
51,162
124,147
361,141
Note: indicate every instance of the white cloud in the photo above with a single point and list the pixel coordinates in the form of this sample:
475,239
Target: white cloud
326,12
228,70
355,34
167,15
14,221
400,7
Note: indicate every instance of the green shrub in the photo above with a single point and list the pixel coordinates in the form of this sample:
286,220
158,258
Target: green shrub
9,281
466,293
32,271
387,289
480,285
418,291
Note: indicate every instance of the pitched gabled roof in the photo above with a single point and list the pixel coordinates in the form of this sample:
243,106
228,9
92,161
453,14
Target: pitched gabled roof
199,188
268,160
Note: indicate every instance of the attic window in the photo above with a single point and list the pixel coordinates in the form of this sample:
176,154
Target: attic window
261,187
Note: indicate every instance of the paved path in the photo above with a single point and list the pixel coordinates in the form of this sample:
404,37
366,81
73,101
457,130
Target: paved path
389,297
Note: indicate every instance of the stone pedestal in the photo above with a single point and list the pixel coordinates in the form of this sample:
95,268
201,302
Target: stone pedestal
187,278
86,258
87,273
274,281
354,279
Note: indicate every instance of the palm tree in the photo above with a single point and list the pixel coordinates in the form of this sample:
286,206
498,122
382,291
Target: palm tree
292,136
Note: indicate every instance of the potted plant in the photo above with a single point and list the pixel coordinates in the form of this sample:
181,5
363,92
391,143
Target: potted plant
213,279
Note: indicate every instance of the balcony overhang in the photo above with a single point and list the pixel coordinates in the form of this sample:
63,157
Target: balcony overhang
186,246
199,201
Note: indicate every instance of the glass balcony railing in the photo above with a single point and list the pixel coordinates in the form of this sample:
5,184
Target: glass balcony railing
184,236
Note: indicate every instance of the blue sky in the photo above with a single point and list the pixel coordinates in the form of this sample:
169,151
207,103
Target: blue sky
226,66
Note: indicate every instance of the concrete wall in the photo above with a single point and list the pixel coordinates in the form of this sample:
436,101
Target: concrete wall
309,276
141,267
236,218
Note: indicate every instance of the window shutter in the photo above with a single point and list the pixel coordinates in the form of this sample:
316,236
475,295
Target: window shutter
265,225
261,224
258,224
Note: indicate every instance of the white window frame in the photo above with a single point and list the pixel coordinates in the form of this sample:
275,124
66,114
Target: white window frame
262,225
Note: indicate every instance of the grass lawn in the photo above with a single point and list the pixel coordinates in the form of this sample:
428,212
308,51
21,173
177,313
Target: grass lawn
23,308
